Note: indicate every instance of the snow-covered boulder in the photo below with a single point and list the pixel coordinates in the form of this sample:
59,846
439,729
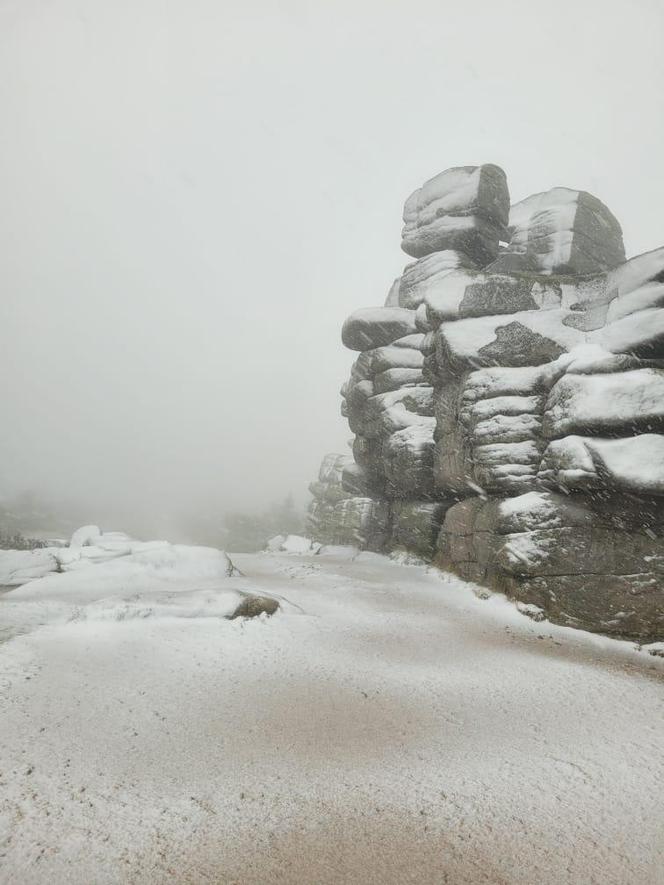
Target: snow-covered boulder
86,536
292,544
636,285
640,334
149,566
274,544
561,231
634,464
154,580
297,544
377,326
20,566
108,562
464,209
393,379
422,279
621,402
527,338
465,293
385,413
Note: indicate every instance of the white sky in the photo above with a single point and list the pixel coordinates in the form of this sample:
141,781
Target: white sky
196,193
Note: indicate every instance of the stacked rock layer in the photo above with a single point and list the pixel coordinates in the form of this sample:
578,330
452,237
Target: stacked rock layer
508,405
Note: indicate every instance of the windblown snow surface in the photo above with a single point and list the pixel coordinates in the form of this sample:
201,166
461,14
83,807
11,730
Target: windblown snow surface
387,725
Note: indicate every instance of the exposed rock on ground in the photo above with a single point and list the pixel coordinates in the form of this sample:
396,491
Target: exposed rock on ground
252,606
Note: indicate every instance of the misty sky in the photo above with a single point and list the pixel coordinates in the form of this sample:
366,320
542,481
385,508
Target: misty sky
195,194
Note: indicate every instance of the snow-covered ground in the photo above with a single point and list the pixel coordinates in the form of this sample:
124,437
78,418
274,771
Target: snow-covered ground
385,726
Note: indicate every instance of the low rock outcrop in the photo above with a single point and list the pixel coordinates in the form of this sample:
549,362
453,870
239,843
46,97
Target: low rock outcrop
507,405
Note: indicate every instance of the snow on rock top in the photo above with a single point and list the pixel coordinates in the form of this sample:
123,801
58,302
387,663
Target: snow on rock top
293,544
374,327
465,209
423,277
86,536
20,566
118,577
634,464
619,401
562,231
148,566
525,338
149,580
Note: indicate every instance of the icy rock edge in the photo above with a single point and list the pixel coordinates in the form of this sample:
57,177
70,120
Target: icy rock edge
507,406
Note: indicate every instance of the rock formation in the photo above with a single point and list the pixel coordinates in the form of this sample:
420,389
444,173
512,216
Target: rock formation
508,405
338,516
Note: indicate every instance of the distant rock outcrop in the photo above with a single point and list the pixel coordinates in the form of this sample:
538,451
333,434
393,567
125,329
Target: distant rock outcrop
508,405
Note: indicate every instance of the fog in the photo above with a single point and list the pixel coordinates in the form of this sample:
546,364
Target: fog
195,194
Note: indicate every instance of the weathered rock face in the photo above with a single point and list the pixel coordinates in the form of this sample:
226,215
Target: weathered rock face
507,405
377,326
561,231
327,492
594,562
338,516
465,208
